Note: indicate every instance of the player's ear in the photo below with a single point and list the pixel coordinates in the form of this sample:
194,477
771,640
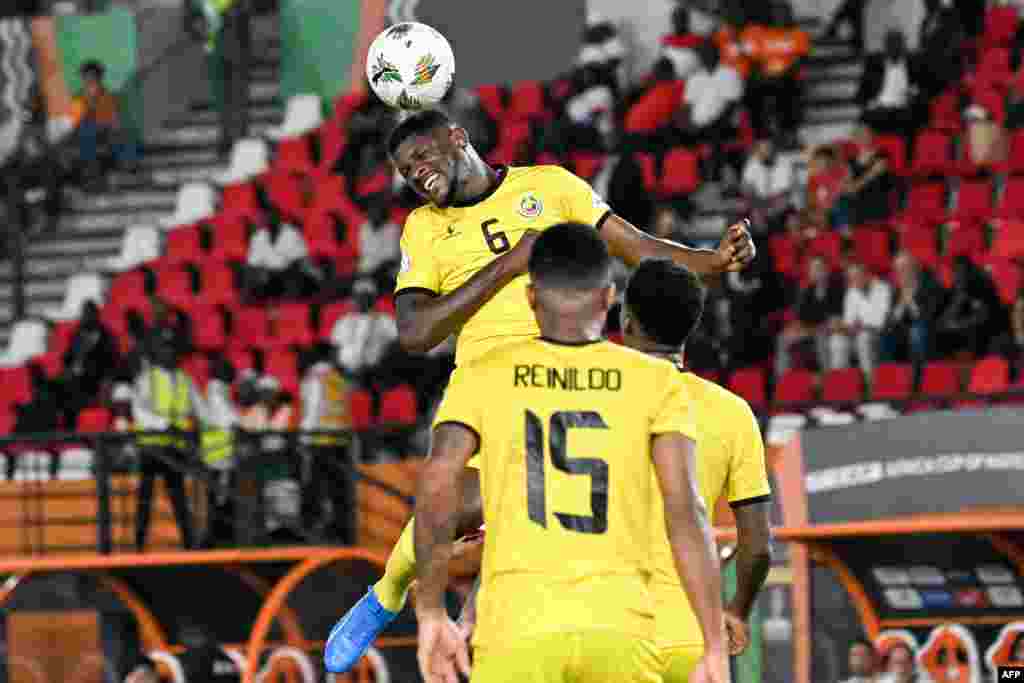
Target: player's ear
609,297
531,296
459,137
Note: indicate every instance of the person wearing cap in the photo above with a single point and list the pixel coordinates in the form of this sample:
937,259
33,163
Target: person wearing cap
165,400
324,395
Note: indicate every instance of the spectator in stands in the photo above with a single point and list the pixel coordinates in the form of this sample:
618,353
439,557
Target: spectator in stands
278,264
601,38
818,307
362,337
204,659
379,252
97,120
986,139
651,107
165,400
217,448
865,309
899,666
91,354
941,56
41,414
777,53
974,315
35,172
850,13
752,295
588,119
680,46
1010,344
917,301
887,88
866,192
329,498
826,174
767,185
367,131
862,662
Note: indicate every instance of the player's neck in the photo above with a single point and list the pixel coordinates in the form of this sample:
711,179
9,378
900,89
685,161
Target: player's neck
480,180
572,333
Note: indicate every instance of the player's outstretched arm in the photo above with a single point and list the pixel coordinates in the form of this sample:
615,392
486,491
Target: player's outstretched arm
439,493
425,320
632,245
753,560
693,548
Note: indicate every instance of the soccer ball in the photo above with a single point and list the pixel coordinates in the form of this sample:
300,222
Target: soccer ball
410,66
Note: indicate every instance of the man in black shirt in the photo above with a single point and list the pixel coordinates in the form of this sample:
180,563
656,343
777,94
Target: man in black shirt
818,308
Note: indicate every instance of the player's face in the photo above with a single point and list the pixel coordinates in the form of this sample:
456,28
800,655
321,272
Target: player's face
428,163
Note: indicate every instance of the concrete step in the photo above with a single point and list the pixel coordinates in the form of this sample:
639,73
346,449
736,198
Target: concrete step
826,132
125,199
834,71
36,291
260,93
833,114
199,134
831,90
85,247
262,113
91,223
60,267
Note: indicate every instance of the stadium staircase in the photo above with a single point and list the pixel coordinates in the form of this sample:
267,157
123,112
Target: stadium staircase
93,224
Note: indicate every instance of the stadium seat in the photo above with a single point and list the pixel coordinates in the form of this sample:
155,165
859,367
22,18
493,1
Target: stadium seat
492,99
1000,25
1008,239
990,375
329,238
346,104
230,238
17,384
303,114
843,386
61,335
795,386
51,363
284,191
973,201
871,247
249,159
282,364
965,238
251,328
926,203
79,289
240,359
333,139
513,141
208,331
183,245
892,382
385,304
944,112
785,256
1011,204
648,170
75,464
932,153
360,405
331,313
993,69
1007,277
894,148
828,245
239,199
174,286
141,243
128,290
398,407
293,325
680,174
749,383
94,419
378,181
33,466
217,284
27,340
922,243
940,379
526,101
586,164
195,202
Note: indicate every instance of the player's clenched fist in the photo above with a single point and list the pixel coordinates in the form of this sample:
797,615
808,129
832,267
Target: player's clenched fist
517,260
442,652
736,250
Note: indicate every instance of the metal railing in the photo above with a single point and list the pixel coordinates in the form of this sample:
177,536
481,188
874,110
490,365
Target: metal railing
306,468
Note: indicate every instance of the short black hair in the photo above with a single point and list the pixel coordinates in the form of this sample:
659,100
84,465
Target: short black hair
93,68
666,299
420,123
570,256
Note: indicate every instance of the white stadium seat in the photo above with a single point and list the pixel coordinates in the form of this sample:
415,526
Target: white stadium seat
303,115
80,288
249,158
141,243
28,340
196,201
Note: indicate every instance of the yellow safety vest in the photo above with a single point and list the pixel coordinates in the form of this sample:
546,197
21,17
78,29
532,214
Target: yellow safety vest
335,412
171,400
217,445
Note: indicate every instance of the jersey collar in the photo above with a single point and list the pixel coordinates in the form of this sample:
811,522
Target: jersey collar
582,342
502,172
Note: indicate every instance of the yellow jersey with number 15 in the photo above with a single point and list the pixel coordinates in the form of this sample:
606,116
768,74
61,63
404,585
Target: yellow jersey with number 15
567,484
442,248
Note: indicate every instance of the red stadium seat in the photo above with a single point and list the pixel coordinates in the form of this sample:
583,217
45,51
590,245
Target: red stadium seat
377,182
648,169
17,384
843,386
1011,205
964,238
749,384
183,246
940,379
892,382
1000,24
795,386
95,419
990,375
492,99
208,331
894,149
52,363
1007,277
385,304
360,406
921,242
230,238
251,328
785,258
926,205
7,421
174,286
284,192
294,325
993,70
240,199
526,100
513,141
973,200
680,173
293,155
933,153
398,407
944,112
197,366
332,145
586,164
829,246
331,313
282,364
871,247
217,284
61,336
1008,239
346,104
128,290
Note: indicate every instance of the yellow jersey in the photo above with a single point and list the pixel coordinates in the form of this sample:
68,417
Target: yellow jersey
567,497
442,248
730,464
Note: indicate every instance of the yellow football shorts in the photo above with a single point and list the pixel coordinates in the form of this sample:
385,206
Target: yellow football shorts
679,662
592,656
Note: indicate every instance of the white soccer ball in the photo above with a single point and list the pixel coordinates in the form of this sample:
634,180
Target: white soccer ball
410,66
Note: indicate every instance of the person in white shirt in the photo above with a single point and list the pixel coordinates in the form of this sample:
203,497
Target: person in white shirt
363,337
865,309
887,89
278,263
767,184
379,251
